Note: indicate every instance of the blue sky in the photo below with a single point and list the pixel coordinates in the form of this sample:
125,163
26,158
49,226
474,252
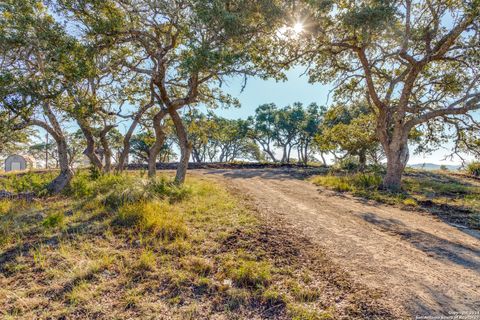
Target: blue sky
258,91
297,89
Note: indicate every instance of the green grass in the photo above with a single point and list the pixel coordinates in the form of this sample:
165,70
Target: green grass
130,248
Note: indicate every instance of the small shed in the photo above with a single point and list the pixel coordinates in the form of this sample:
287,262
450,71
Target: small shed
17,162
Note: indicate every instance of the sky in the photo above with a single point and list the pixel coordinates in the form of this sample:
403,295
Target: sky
298,89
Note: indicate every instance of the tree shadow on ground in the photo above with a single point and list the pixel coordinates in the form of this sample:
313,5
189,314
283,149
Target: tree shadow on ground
271,174
82,227
434,246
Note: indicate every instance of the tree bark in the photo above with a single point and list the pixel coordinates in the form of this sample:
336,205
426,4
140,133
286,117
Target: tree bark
362,160
397,157
155,149
58,184
90,150
106,148
323,158
185,146
126,145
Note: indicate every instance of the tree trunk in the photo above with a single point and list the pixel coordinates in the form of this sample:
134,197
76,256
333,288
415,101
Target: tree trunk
126,146
397,157
305,155
90,150
106,148
58,184
362,160
158,144
185,146
323,159
284,156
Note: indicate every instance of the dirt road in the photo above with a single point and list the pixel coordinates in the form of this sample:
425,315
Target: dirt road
425,264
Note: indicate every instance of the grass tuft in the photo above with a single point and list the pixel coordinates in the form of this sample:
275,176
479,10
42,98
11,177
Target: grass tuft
147,261
5,206
251,274
158,218
198,265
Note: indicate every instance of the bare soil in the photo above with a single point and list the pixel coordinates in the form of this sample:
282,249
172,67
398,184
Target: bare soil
419,261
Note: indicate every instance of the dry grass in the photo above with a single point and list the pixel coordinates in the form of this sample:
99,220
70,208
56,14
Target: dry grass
184,253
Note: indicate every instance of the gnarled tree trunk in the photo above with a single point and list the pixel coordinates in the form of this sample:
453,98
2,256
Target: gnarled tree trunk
185,146
128,136
90,150
106,148
158,144
58,184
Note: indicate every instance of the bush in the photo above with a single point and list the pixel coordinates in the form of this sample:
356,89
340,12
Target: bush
367,181
165,188
157,218
80,186
114,190
473,169
54,220
348,164
27,182
410,202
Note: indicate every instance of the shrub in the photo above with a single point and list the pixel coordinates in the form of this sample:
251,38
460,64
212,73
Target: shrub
80,186
251,274
473,169
475,220
54,220
164,188
157,217
272,298
334,182
26,182
348,164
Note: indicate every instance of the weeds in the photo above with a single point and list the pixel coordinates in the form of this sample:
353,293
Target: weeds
198,265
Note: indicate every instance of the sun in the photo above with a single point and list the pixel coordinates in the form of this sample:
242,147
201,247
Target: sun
291,31
297,28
